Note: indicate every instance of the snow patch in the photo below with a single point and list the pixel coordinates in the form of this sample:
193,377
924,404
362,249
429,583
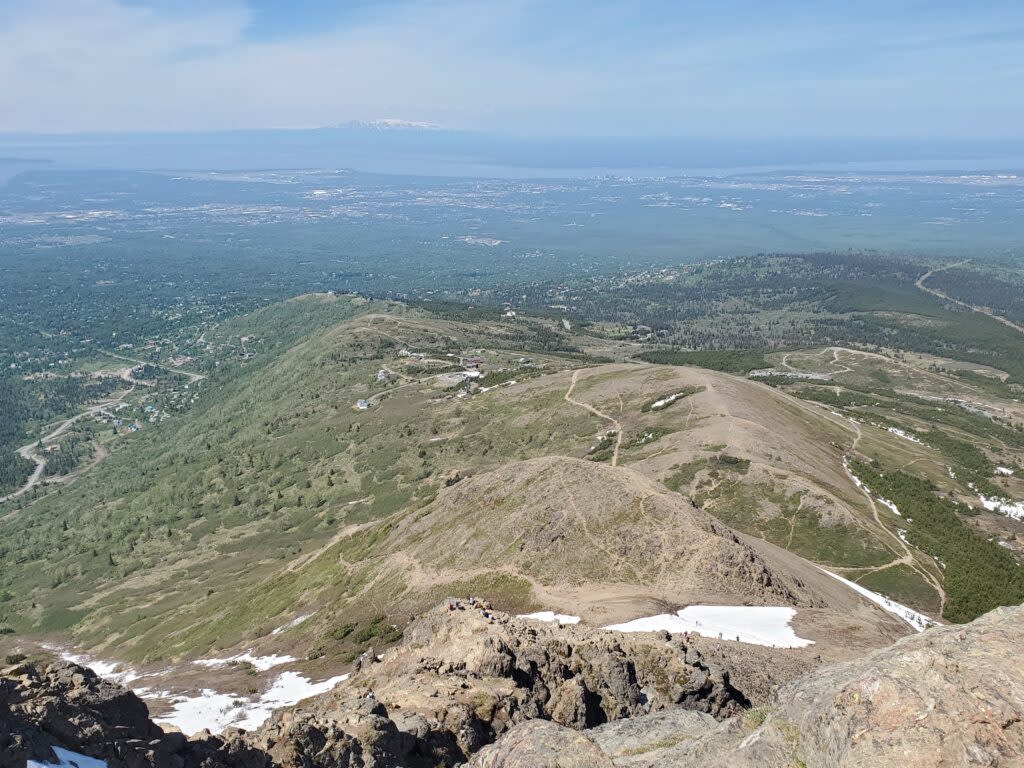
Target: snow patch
918,621
261,663
217,711
1013,509
657,405
905,435
1004,471
293,623
757,625
561,618
107,669
889,505
68,759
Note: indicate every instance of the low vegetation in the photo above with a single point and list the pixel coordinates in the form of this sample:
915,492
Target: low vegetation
978,575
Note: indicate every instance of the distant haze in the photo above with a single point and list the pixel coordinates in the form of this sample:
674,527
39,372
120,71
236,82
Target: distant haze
734,68
435,152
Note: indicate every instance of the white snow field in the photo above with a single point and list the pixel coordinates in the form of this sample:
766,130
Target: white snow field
561,618
1014,509
754,624
291,624
918,621
107,669
217,711
261,663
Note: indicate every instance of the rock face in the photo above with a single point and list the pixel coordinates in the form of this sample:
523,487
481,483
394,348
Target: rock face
634,742
465,674
952,696
469,683
68,706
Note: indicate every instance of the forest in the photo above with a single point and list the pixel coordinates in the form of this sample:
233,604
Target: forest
978,575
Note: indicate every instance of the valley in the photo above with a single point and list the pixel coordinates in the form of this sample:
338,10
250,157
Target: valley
345,464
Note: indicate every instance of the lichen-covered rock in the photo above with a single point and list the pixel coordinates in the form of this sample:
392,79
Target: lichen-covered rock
951,696
542,744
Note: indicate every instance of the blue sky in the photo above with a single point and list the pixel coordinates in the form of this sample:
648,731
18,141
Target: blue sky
730,68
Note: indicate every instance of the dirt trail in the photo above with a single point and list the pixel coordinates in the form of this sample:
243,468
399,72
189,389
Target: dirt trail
908,554
348,530
973,307
599,414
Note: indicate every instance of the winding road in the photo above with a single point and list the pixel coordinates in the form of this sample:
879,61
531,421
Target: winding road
31,451
923,279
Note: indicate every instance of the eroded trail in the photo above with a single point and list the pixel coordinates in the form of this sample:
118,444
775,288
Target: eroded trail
600,414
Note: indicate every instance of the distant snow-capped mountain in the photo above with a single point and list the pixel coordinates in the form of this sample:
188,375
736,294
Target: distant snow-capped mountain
391,124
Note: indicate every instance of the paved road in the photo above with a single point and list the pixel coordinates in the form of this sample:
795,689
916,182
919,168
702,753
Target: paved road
31,451
923,279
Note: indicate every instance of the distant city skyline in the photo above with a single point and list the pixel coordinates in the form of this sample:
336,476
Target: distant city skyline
734,69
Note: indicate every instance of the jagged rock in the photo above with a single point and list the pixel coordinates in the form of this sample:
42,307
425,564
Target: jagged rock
466,673
68,706
950,697
472,683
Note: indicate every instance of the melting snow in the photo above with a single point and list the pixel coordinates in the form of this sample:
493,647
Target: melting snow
667,401
859,483
890,505
1004,471
758,625
293,623
561,618
1014,509
905,435
107,669
918,621
68,759
217,711
262,663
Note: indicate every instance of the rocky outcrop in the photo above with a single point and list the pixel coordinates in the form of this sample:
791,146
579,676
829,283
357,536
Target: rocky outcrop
470,683
68,706
465,674
638,741
950,697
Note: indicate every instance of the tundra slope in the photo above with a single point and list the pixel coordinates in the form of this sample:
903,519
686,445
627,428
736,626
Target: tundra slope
276,499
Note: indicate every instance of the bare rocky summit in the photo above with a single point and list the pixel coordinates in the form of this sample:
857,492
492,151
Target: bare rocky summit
465,674
568,523
469,683
952,696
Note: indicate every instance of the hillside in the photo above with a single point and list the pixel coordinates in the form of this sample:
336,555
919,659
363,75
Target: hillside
346,464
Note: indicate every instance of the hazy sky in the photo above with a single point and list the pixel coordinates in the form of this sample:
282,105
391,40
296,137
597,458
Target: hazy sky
729,67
